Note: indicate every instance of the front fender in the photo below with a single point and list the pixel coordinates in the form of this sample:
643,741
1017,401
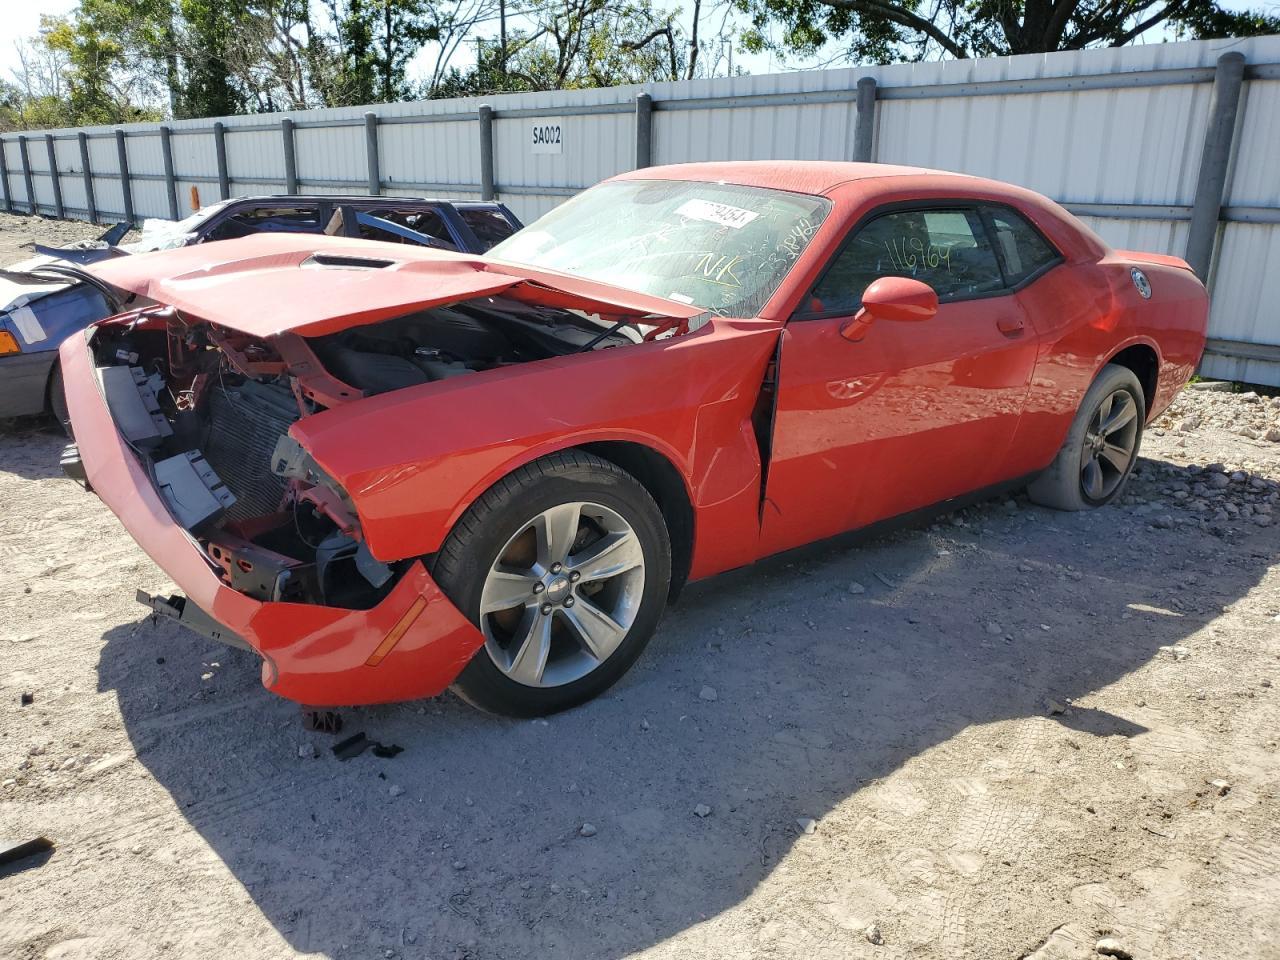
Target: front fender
414,460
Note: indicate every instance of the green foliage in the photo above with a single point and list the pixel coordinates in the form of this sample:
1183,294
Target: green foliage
577,44
881,31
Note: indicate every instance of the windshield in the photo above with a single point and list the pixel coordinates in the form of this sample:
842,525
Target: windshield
717,246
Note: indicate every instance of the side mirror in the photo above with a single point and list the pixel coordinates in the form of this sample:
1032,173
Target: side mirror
891,298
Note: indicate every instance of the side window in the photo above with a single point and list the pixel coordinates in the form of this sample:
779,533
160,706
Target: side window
291,219
1022,250
427,222
946,248
489,226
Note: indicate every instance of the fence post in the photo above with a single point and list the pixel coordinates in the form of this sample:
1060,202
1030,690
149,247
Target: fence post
486,152
644,130
220,151
4,179
90,200
290,158
371,152
170,181
865,131
126,185
53,176
26,175
1211,183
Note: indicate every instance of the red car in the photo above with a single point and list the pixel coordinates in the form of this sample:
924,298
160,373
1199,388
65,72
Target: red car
389,470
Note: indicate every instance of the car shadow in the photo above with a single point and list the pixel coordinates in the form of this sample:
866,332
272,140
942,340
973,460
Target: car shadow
770,694
27,446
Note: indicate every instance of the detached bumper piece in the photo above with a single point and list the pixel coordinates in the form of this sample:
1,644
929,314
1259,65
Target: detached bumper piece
179,608
73,466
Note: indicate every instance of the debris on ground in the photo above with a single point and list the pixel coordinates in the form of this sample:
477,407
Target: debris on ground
807,824
12,851
322,721
873,935
702,810
1111,947
358,743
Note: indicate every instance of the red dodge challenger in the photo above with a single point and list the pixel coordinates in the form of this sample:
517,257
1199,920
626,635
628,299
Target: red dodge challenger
388,469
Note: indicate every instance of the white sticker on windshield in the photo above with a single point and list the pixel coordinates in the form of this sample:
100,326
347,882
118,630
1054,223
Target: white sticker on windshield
679,298
24,319
721,213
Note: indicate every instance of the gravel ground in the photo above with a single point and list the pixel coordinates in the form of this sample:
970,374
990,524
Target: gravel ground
19,234
1012,733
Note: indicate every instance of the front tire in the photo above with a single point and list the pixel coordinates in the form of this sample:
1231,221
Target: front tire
57,402
1097,457
565,566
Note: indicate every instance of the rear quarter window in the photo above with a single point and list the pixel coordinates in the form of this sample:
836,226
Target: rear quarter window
489,226
1023,251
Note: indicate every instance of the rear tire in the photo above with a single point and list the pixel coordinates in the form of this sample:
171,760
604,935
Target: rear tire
565,566
1097,458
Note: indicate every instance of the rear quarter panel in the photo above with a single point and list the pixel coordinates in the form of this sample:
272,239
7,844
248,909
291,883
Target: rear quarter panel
1085,313
414,460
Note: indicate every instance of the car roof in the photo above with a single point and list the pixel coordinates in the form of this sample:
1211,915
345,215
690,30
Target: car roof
352,198
800,176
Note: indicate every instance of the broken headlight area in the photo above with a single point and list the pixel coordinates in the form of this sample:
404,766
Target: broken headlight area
208,410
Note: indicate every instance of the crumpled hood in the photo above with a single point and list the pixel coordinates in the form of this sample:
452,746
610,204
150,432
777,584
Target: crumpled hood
312,285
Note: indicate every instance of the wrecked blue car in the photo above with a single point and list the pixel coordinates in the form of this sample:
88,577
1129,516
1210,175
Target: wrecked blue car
47,298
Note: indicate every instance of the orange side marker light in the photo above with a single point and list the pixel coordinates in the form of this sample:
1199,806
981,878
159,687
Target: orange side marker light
399,630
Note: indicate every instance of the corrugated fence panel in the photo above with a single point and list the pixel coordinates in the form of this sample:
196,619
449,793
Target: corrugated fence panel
430,153
255,156
72,179
331,153
1153,236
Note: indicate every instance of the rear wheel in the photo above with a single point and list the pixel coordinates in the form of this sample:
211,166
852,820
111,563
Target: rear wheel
1101,448
565,567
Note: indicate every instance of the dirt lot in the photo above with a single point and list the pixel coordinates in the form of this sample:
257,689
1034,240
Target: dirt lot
1016,732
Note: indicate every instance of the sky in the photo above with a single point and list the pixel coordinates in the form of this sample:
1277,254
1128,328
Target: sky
22,20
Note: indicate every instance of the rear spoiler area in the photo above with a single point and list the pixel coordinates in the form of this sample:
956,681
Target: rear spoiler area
1158,259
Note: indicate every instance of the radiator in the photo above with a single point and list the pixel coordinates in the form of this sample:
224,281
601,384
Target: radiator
246,421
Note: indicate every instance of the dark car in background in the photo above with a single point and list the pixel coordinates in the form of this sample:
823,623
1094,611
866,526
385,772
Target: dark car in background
45,299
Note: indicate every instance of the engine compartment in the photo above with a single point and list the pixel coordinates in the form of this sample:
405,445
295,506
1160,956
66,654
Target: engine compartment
207,410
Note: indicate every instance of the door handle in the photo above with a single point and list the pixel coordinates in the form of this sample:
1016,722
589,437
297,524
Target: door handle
1010,326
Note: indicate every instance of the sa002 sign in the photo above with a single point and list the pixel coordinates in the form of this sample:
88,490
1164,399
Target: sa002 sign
546,135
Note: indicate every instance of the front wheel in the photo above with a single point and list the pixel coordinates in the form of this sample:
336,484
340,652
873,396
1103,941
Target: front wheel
1101,448
565,567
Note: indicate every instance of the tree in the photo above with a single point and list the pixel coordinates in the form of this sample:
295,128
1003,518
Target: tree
374,41
883,30
576,44
70,76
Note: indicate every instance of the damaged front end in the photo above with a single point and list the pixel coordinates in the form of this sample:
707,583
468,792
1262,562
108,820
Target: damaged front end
208,412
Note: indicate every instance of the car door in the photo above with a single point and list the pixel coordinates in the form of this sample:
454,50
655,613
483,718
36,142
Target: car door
913,413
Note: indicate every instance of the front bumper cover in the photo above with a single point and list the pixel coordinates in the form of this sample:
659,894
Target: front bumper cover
412,644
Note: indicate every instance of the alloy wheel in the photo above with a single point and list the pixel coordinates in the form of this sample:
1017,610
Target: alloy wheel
562,594
1110,444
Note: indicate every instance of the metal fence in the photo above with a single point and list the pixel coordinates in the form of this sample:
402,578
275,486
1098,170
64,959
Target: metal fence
1170,148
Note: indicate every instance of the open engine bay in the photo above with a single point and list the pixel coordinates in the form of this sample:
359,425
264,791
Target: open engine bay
207,410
